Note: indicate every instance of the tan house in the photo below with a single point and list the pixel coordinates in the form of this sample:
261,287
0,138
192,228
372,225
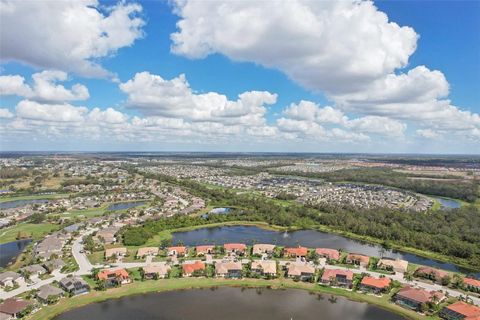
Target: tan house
264,267
206,249
260,249
302,271
228,269
398,266
117,252
160,271
147,251
357,259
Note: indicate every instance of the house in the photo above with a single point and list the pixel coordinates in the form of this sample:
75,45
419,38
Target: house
260,249
357,259
10,279
300,252
14,307
55,264
436,275
203,250
193,268
330,254
158,271
114,277
414,298
337,277
264,267
236,248
147,251
472,284
397,265
301,271
177,251
376,285
33,270
47,292
228,269
115,252
460,310
74,285
51,245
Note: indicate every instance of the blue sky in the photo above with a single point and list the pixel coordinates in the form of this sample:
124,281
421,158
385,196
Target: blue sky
352,101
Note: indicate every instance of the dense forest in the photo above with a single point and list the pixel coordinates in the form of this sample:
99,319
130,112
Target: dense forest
463,190
454,233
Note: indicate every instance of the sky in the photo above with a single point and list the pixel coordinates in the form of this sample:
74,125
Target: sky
234,76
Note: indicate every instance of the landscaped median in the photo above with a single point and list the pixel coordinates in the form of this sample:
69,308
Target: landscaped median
141,287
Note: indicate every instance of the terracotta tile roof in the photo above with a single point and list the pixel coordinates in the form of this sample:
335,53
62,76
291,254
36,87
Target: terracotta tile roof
439,274
300,251
472,282
379,283
419,295
13,306
204,249
178,249
235,246
189,268
332,273
329,253
104,274
464,309
358,257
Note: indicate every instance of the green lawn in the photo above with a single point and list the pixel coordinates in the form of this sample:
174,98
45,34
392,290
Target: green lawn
34,197
34,231
140,287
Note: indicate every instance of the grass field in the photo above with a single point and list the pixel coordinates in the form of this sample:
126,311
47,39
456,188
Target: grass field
34,197
186,283
34,231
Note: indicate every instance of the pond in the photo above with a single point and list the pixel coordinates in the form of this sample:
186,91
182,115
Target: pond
230,303
448,203
307,238
10,250
20,203
125,205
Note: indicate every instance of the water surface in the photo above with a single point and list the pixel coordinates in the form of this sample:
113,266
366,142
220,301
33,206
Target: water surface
230,303
10,250
125,205
20,203
448,203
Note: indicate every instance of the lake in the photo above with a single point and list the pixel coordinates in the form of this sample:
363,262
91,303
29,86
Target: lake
229,303
20,203
10,250
448,203
307,238
125,205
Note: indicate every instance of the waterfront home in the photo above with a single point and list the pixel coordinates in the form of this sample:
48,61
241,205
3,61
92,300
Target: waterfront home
193,268
14,307
300,252
33,270
203,250
228,269
147,251
74,285
115,252
337,277
330,254
10,279
264,267
260,249
460,310
177,251
472,284
375,285
156,272
47,293
114,277
357,259
395,265
414,298
436,275
55,264
301,271
235,248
